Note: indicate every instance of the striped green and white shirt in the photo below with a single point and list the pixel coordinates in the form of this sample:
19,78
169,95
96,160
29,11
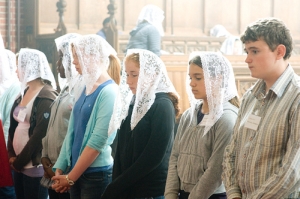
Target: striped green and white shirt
265,163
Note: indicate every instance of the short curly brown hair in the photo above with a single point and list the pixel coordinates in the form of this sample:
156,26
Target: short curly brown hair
273,31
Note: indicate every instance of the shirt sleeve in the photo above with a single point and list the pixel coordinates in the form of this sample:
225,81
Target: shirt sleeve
287,179
99,137
229,162
173,182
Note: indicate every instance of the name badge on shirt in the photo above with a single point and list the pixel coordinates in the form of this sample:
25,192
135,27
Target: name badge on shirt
205,120
253,122
22,115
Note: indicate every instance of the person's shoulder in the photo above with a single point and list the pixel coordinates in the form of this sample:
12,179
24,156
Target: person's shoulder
230,108
48,92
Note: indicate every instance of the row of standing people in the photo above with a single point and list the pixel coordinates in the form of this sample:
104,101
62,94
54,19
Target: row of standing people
261,142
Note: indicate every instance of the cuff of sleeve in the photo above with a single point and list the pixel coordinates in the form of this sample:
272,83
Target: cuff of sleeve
171,196
234,192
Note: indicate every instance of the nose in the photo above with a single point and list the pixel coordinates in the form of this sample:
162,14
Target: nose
192,84
128,81
248,59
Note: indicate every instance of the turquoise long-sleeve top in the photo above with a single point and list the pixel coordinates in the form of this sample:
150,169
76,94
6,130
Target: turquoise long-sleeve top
96,134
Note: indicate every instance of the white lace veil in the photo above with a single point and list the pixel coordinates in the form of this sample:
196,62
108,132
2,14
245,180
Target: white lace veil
219,85
219,31
63,44
153,78
93,55
154,15
33,64
232,46
12,61
4,72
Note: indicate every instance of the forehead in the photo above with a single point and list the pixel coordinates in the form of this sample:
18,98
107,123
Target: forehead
131,65
195,69
256,44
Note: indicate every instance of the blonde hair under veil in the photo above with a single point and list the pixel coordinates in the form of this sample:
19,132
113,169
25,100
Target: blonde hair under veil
153,78
219,85
93,55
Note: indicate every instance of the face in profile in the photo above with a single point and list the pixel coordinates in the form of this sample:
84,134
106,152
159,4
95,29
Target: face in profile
59,67
260,59
132,70
76,62
197,81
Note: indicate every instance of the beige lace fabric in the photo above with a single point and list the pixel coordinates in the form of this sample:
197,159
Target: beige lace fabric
63,44
154,15
93,56
219,85
33,64
153,78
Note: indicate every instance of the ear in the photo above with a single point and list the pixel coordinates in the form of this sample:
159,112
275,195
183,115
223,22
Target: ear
280,51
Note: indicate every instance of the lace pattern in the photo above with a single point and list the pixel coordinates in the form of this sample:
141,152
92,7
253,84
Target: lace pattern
153,78
219,85
154,15
93,55
63,44
33,64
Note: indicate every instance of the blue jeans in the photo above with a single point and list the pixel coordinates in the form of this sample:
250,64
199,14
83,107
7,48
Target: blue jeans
29,187
158,197
7,192
91,185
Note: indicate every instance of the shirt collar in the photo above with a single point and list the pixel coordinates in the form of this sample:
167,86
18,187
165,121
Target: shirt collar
278,87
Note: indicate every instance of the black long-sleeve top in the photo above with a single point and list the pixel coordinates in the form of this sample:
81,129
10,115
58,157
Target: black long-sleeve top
142,155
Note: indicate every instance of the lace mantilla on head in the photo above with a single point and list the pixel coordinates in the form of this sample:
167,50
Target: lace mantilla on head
63,44
219,85
154,15
93,55
153,78
33,64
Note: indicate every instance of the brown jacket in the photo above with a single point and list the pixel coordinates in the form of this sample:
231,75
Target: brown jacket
39,120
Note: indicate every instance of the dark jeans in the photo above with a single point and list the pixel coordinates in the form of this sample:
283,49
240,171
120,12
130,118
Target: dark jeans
7,192
91,185
29,187
54,195
185,195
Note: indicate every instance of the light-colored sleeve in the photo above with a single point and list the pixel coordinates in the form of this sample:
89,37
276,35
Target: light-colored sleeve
173,182
63,160
229,163
211,179
287,179
99,137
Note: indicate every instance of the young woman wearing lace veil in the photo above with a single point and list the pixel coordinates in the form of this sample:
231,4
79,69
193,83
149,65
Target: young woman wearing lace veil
29,119
145,112
204,130
148,31
86,153
60,112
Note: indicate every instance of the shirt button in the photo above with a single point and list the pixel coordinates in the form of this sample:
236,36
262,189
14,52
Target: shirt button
251,139
244,191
